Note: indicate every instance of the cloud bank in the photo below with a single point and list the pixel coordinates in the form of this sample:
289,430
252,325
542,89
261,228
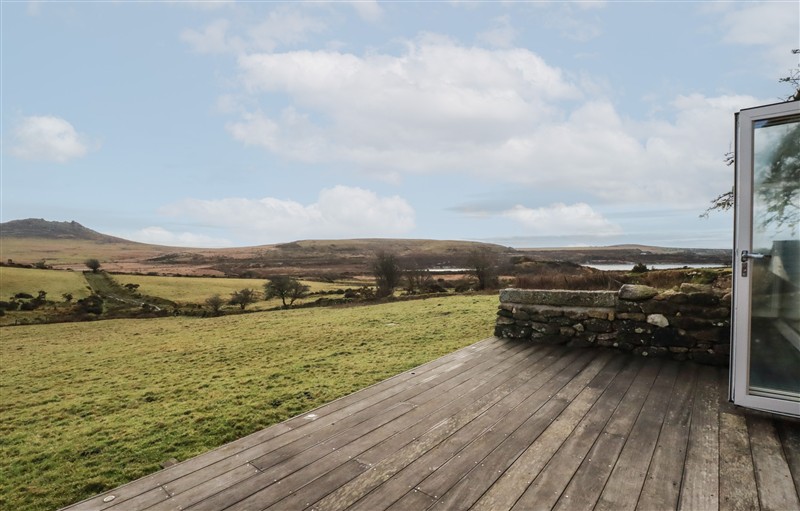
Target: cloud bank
47,138
339,212
502,114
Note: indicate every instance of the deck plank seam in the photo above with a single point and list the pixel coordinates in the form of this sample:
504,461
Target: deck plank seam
621,365
150,482
558,395
501,360
237,454
787,457
672,396
604,433
572,358
588,450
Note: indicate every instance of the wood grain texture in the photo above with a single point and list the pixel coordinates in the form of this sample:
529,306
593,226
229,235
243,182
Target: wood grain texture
502,425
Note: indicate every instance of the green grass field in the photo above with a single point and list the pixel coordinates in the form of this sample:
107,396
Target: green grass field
89,406
25,280
196,289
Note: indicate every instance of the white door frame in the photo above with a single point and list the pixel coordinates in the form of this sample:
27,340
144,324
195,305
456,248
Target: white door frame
743,236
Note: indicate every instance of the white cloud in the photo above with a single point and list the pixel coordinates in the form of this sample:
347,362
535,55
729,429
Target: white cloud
213,38
281,27
503,114
47,138
562,220
433,107
763,24
255,130
773,26
339,212
207,5
368,10
160,236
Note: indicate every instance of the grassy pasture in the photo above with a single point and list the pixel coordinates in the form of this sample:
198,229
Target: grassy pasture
73,251
26,280
197,289
88,406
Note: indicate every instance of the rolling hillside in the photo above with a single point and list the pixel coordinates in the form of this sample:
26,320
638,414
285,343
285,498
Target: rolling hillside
69,244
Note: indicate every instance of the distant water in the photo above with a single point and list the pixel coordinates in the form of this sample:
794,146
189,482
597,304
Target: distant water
666,266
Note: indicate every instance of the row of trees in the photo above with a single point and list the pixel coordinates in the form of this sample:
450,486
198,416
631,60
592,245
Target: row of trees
390,273
288,289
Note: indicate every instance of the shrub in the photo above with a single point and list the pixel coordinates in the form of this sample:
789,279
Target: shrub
464,285
639,268
10,306
93,264
28,306
215,302
92,304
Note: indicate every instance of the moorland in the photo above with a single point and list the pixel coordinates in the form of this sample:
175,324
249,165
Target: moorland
109,374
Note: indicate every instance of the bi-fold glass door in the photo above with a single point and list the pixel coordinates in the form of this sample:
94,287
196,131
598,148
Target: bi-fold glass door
765,361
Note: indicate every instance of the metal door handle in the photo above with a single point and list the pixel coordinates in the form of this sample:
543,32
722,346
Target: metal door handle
754,255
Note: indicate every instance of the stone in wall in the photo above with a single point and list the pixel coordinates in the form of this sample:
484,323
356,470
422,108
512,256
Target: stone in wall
692,323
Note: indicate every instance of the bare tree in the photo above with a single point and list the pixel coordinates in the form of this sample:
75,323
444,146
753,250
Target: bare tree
243,298
215,302
285,287
417,277
793,79
387,273
779,188
724,201
484,264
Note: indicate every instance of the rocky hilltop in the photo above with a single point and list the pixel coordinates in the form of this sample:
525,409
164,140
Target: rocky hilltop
40,228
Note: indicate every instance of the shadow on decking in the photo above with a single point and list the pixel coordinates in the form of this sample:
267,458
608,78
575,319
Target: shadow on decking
502,425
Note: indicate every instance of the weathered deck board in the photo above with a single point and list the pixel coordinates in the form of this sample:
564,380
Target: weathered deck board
700,489
663,484
737,483
624,486
774,480
588,482
498,481
501,425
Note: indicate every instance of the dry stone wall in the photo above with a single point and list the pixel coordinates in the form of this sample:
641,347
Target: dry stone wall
690,324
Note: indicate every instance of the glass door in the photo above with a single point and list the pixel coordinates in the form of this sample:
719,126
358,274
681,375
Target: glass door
765,360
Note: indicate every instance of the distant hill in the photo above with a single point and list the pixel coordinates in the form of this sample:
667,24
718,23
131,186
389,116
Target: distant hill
69,244
40,228
629,254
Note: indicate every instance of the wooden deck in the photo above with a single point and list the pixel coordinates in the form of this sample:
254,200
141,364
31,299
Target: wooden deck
502,425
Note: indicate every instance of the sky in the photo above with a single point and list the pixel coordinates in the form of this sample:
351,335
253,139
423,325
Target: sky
529,124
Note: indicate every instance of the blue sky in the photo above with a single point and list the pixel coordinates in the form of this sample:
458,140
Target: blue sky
244,123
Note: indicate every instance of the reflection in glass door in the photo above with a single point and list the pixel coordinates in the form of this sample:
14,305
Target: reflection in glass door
766,340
